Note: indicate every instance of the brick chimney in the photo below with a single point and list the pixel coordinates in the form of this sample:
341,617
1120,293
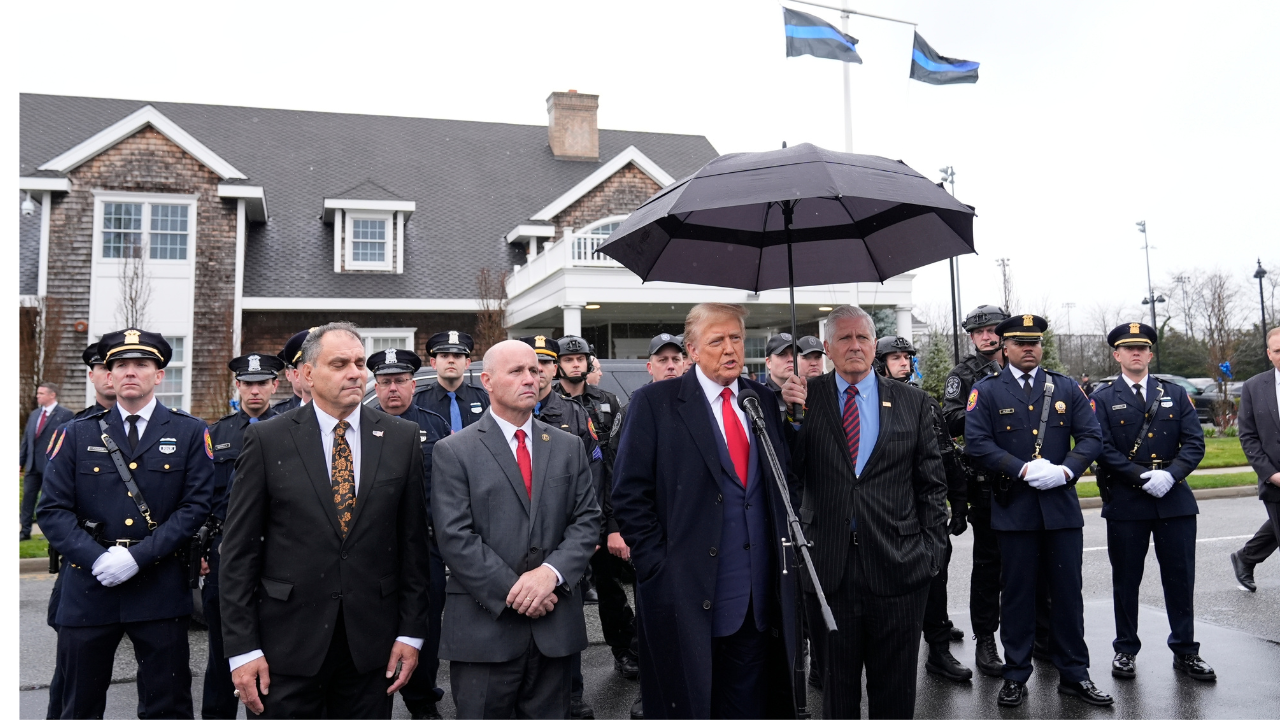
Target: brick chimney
571,126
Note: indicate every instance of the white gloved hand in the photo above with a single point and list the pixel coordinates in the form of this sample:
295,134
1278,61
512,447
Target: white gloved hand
1159,482
1052,477
114,566
1037,469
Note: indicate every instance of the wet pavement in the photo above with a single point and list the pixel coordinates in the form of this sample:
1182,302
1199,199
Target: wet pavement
1239,634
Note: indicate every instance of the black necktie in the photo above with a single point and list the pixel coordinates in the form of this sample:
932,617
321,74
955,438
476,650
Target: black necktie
1026,384
1137,390
133,430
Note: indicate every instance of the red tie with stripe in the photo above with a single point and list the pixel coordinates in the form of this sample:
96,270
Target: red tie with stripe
852,423
735,437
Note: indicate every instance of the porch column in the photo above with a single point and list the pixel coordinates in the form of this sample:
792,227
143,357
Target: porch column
904,322
572,319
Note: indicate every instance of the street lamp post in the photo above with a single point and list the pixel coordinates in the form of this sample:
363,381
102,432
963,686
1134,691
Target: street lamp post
1151,298
1262,303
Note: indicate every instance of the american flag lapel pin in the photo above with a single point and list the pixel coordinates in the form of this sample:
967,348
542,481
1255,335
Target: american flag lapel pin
377,433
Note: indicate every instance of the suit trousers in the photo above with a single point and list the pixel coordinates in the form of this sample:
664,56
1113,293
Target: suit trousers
937,626
86,656
1175,541
336,691
530,686
32,481
421,692
1025,557
1265,541
617,620
880,635
738,663
219,699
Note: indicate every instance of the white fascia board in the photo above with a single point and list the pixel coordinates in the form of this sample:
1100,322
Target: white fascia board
255,198
44,184
390,206
523,232
148,115
631,155
362,304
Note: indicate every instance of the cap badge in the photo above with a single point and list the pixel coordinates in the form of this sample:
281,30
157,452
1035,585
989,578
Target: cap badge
1026,321
254,364
538,341
665,336
1133,328
391,356
132,337
453,337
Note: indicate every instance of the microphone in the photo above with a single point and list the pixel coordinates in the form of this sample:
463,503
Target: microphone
749,401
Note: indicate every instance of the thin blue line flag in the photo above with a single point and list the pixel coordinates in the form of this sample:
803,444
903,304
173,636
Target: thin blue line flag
930,67
807,35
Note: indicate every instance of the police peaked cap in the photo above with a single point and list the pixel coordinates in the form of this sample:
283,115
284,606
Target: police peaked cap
573,345
543,346
663,339
91,356
292,352
450,341
256,367
392,361
778,343
982,316
810,344
134,343
1023,327
1132,334
890,344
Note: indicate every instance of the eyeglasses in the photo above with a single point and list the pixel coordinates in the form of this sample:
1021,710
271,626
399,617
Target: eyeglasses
385,382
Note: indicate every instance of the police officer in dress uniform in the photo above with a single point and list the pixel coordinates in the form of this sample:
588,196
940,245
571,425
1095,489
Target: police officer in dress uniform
894,356
393,383
256,378
291,355
555,410
1019,428
122,521
450,395
1151,441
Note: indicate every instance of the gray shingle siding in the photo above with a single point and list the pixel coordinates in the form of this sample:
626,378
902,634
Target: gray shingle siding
472,183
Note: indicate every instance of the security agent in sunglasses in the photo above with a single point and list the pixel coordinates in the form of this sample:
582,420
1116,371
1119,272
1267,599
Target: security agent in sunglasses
123,546
893,360
1151,441
1019,428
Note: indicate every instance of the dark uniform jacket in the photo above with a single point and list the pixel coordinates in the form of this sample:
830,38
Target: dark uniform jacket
93,409
285,406
227,436
472,401
1001,427
570,417
432,429
1174,442
971,369
174,460
957,491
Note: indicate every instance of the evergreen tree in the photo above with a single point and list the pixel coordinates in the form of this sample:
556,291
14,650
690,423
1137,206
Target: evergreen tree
937,365
1050,360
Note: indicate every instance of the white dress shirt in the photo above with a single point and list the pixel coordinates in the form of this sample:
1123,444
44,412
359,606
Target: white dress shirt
144,416
712,389
1018,374
327,425
509,432
1141,382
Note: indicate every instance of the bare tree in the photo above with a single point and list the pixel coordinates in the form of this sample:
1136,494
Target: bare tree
40,359
1219,314
135,288
491,289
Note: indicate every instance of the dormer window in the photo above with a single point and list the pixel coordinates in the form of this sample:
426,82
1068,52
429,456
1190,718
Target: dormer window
368,235
369,245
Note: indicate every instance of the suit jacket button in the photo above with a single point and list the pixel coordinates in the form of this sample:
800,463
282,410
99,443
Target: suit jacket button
706,604
746,546
335,596
719,498
344,556
533,549
713,552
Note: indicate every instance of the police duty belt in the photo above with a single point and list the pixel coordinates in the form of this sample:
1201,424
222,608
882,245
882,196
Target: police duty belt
1044,415
134,491
1147,420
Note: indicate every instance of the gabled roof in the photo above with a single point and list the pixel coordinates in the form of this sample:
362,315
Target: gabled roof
471,182
629,156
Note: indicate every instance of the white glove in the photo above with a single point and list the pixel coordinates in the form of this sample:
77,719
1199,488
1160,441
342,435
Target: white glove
1037,470
1159,482
1052,477
114,566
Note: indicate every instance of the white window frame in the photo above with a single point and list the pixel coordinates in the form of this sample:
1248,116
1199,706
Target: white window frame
407,334
184,364
389,262
146,200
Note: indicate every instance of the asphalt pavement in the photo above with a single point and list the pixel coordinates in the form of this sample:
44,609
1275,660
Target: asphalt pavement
1239,634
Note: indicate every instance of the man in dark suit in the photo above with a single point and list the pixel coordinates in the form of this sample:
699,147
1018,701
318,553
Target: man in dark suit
1019,428
874,506
324,552
41,426
1259,420
1151,441
703,516
451,396
517,521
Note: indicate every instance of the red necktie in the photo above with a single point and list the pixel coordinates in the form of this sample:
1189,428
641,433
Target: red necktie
525,463
44,415
852,422
735,436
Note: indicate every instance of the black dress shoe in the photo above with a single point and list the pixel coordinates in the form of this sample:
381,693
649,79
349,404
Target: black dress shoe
590,597
942,662
957,635
986,657
1012,693
1244,573
627,664
24,535
1086,691
1125,665
1194,666
637,708
578,708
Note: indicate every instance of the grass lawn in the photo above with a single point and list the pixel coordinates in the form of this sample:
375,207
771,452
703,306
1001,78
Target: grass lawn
1197,482
1222,452
36,547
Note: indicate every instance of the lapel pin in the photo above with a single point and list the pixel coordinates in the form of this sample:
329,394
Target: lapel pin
377,433
546,437
886,403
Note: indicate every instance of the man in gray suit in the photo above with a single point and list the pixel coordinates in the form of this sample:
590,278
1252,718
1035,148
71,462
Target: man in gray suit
1259,420
41,426
517,521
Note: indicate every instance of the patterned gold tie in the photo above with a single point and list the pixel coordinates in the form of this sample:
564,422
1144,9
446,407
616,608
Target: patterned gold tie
343,476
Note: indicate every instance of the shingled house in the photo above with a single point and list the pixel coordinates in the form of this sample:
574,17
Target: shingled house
248,224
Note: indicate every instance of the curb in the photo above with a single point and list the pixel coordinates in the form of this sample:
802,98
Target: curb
33,565
1202,494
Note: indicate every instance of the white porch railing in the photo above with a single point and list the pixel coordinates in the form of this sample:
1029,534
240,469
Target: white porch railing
584,251
571,250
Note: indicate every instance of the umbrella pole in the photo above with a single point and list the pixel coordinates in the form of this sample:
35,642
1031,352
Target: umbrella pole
788,208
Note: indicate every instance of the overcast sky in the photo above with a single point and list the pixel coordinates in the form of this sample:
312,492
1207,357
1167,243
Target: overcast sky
1088,115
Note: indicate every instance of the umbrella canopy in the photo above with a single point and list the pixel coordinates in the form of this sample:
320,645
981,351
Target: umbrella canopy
853,218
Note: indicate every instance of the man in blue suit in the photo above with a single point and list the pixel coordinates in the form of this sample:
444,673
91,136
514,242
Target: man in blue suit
41,427
1019,427
1151,441
120,520
699,507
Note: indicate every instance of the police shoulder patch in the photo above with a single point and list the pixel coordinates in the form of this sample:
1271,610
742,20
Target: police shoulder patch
60,436
1093,406
592,429
973,400
953,387
208,444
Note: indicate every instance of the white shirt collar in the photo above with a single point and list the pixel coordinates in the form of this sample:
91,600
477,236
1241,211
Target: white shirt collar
1141,383
49,408
509,430
1018,374
329,422
144,413
713,388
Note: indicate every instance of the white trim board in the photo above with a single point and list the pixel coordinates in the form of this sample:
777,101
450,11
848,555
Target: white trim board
334,204
361,304
522,232
127,126
255,198
44,184
631,155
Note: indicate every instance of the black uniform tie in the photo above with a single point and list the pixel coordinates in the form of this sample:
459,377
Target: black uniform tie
133,430
1026,384
1137,390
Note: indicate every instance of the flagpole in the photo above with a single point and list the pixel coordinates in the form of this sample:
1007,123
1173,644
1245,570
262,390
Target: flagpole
848,93
853,12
